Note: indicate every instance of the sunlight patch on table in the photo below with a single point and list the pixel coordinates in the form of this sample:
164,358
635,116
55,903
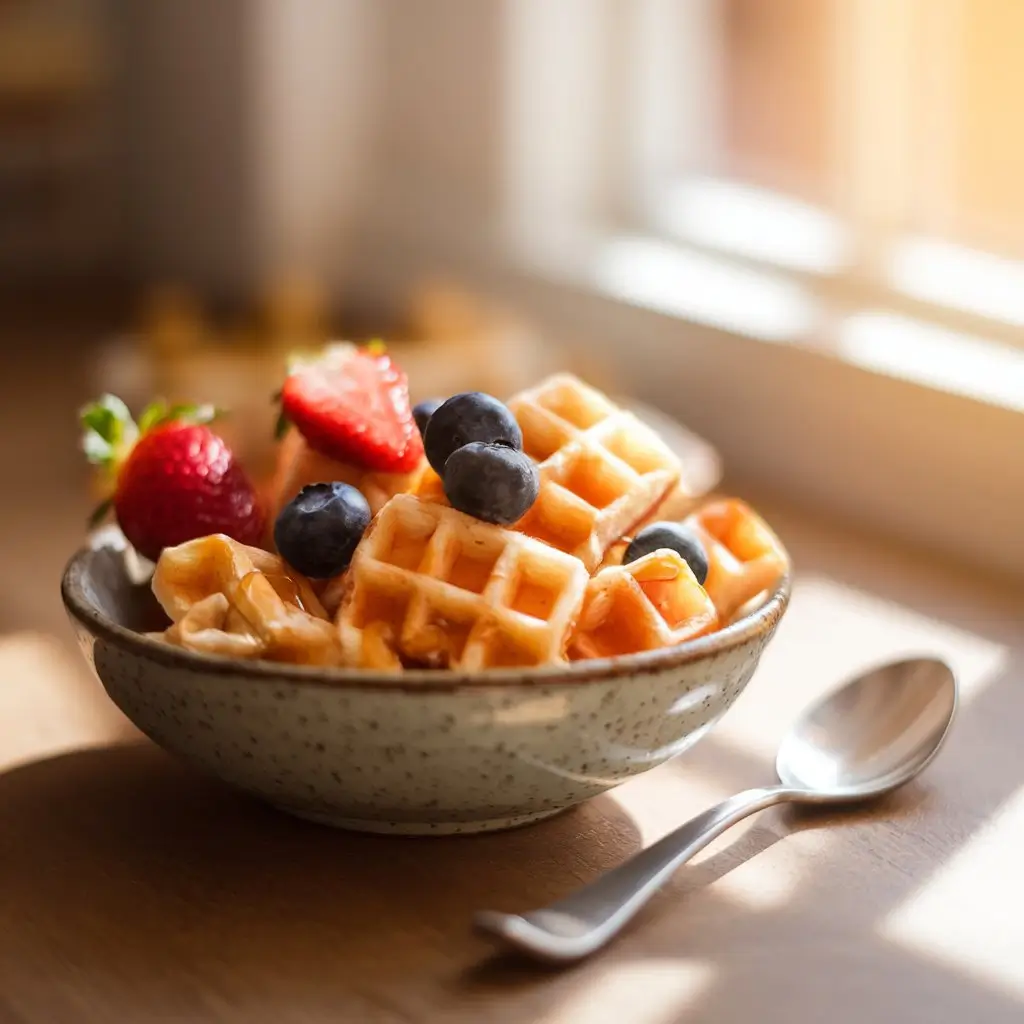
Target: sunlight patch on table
640,992
766,873
772,878
48,703
830,633
969,915
659,800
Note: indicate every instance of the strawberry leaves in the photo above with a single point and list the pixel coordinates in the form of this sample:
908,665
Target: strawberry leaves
158,412
109,430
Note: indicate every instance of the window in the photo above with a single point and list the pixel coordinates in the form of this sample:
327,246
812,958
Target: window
875,143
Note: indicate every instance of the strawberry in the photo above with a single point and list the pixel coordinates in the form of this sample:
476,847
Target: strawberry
352,404
173,479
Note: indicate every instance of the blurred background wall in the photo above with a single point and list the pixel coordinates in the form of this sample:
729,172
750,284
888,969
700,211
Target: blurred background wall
185,141
795,225
217,142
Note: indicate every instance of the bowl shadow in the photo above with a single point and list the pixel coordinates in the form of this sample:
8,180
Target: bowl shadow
146,863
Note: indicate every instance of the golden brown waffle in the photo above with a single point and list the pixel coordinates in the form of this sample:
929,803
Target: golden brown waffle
429,585
229,599
429,487
653,602
745,558
189,572
330,592
602,470
676,505
287,632
209,628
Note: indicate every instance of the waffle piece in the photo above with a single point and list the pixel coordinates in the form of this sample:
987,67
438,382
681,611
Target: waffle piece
330,592
745,558
653,602
287,632
209,628
255,621
602,470
429,585
677,504
228,599
188,573
429,487
299,465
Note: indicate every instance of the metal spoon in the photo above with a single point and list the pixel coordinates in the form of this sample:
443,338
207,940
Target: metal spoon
865,739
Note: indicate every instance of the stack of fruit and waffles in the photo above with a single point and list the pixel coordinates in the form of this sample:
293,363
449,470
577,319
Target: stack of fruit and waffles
463,533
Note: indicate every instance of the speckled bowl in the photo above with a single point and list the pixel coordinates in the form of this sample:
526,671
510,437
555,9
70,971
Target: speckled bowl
420,753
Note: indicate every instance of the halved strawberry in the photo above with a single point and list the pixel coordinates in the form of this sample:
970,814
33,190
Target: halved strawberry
352,404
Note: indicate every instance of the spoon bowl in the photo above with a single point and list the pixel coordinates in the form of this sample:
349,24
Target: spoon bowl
871,735
863,740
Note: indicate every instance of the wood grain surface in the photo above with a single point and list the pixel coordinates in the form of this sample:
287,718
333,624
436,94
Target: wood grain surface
134,890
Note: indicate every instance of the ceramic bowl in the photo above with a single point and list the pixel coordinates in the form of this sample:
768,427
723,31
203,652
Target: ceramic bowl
418,753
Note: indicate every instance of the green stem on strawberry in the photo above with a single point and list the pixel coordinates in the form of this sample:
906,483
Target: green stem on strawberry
110,432
109,429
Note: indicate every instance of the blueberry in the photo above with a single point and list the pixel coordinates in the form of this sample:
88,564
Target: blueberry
492,482
422,411
675,536
318,530
470,416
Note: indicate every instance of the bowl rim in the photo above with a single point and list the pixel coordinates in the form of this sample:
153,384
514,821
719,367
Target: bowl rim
763,619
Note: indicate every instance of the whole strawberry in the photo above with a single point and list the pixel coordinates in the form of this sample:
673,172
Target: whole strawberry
173,478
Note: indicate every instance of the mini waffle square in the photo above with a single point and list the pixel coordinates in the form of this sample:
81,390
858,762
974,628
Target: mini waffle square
677,504
745,558
601,469
209,627
431,586
653,602
189,572
229,599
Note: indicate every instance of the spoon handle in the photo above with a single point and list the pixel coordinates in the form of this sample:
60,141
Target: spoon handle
586,919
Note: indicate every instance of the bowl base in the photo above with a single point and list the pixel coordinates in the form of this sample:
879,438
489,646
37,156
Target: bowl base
417,828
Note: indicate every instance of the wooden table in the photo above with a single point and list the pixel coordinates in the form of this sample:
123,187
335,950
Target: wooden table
133,890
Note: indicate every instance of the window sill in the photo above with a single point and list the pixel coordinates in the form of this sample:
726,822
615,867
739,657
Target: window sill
801,395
